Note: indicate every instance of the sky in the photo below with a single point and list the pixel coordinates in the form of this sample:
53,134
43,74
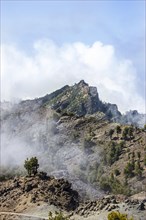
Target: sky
48,44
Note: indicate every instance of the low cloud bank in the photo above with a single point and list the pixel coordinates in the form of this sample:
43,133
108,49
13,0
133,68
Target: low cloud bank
50,67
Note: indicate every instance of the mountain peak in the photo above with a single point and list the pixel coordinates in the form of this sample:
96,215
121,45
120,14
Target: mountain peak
82,83
81,99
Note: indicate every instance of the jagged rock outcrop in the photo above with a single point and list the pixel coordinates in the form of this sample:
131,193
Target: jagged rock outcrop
79,99
21,192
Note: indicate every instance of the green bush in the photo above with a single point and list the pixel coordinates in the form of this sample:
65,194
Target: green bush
130,132
138,170
118,216
139,155
31,165
105,184
128,171
112,184
111,132
58,216
125,133
118,129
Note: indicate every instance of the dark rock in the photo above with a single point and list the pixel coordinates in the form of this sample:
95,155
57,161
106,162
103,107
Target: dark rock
127,201
114,201
33,199
28,187
43,176
101,206
16,184
141,207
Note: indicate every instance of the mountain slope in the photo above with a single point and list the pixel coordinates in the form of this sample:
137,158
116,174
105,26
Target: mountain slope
77,137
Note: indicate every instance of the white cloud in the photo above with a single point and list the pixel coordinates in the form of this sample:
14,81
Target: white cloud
50,67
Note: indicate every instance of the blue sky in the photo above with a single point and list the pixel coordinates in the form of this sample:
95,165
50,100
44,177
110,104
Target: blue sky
117,23
68,21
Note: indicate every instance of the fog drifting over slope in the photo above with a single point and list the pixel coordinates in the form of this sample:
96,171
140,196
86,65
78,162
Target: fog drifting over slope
30,131
49,67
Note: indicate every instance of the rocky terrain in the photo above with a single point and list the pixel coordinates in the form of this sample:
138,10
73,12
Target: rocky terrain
35,196
17,193
87,145
35,205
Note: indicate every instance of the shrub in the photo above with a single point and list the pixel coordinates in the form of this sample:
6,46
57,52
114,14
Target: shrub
128,171
139,155
105,184
133,160
112,184
118,216
138,170
111,132
118,129
130,132
122,144
125,133
58,216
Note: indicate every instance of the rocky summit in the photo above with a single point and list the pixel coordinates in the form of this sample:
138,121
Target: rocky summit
79,99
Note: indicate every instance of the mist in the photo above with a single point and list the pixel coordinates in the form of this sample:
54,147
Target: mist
28,130
50,67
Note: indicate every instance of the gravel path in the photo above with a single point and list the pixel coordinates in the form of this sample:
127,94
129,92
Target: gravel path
19,216
41,213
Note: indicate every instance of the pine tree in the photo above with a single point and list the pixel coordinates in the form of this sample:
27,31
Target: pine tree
118,130
125,133
138,170
31,165
130,132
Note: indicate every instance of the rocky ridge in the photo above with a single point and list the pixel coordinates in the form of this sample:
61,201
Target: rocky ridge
81,99
20,193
